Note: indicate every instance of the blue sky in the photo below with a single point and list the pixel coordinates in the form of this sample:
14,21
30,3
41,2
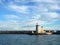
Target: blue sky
24,14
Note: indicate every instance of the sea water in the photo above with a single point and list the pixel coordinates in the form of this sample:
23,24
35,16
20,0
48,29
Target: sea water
24,39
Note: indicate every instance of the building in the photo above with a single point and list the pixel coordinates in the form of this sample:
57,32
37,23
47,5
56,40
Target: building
39,29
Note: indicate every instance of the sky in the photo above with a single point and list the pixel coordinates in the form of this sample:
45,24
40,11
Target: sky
24,14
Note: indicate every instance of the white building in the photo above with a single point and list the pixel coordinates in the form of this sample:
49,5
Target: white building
39,29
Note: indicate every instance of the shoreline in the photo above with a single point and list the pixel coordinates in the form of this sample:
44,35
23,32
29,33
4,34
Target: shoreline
27,32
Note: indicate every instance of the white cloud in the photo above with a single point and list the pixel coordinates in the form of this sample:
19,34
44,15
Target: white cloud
54,7
38,13
52,15
48,4
13,25
21,9
36,16
11,16
9,25
43,1
35,19
47,1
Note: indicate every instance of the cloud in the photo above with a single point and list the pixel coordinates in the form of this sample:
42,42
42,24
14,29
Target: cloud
11,16
33,11
43,19
22,9
39,12
48,4
9,25
14,25
19,1
52,15
54,6
36,16
43,1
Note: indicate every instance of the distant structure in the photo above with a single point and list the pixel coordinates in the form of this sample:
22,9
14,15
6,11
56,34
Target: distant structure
49,32
37,28
40,30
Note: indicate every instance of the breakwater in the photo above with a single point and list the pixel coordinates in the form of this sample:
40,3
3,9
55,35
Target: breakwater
25,32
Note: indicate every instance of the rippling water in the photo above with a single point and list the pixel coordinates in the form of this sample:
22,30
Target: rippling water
22,39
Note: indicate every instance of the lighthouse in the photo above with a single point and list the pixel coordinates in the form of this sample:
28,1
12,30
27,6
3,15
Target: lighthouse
39,29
